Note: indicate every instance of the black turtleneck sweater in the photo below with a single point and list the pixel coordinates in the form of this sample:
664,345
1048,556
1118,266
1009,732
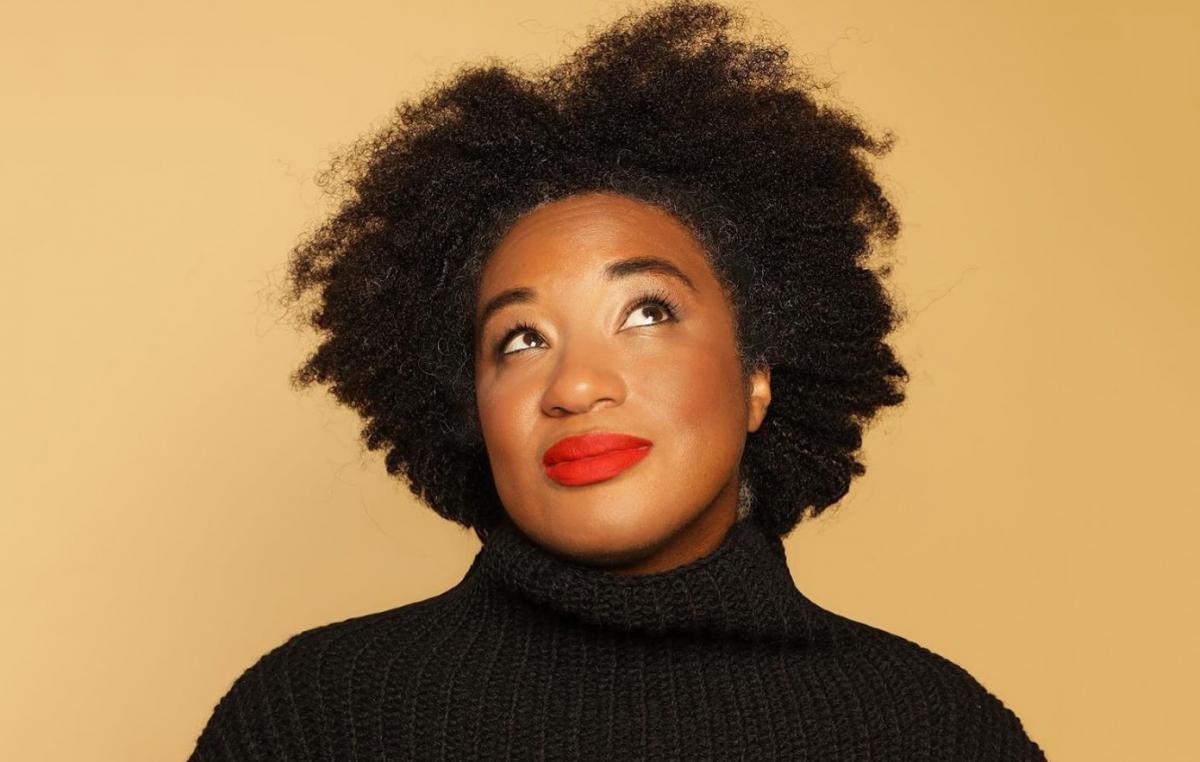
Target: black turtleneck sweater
532,656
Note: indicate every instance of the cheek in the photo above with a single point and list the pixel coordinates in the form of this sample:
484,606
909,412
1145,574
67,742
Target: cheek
504,411
698,392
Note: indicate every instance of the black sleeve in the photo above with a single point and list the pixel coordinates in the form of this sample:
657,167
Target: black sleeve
247,722
989,731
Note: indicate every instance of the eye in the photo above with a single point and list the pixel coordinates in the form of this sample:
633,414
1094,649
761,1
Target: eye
517,331
649,303
656,302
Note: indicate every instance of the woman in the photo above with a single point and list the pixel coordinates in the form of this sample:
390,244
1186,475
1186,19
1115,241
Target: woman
617,319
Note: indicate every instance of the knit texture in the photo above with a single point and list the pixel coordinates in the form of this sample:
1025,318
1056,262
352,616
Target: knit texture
532,656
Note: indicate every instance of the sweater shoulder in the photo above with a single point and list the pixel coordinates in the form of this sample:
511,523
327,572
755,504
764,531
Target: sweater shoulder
266,709
961,711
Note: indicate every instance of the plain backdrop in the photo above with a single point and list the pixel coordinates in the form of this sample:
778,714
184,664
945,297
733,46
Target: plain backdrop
173,509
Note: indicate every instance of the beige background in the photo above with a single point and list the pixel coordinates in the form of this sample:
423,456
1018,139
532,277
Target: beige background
172,509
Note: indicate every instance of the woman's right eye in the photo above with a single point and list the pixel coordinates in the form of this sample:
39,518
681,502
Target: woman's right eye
522,332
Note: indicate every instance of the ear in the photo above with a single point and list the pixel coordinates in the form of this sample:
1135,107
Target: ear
760,397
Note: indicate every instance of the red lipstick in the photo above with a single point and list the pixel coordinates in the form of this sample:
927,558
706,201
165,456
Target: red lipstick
587,458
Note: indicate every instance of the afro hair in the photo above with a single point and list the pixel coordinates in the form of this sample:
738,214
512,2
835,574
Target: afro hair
667,106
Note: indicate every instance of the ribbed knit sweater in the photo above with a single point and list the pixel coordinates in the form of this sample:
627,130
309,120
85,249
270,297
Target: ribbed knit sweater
533,656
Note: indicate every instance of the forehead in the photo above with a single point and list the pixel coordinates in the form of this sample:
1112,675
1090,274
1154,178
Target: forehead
574,236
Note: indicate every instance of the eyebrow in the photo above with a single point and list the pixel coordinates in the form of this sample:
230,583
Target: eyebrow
615,270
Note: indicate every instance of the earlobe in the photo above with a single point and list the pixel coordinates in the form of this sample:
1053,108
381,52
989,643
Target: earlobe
760,397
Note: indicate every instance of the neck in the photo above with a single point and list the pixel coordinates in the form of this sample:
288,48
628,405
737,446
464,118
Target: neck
743,586
696,539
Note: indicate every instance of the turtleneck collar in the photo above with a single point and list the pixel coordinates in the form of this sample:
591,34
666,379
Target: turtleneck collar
742,588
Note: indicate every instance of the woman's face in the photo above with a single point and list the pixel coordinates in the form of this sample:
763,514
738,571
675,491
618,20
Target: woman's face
606,318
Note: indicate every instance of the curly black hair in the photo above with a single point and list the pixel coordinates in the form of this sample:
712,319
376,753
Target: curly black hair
668,106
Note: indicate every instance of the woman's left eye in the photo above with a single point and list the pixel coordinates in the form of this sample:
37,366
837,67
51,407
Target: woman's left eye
652,305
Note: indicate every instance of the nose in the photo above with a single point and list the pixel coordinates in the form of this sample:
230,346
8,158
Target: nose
584,377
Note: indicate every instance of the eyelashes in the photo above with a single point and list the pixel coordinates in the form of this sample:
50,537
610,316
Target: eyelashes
516,330
657,297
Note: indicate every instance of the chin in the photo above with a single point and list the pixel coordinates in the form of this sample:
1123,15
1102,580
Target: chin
604,531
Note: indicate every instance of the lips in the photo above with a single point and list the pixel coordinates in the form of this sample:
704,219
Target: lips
590,458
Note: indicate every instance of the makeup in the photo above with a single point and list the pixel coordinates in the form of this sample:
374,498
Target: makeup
585,459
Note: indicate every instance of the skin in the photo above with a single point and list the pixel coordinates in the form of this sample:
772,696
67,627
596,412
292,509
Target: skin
597,362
